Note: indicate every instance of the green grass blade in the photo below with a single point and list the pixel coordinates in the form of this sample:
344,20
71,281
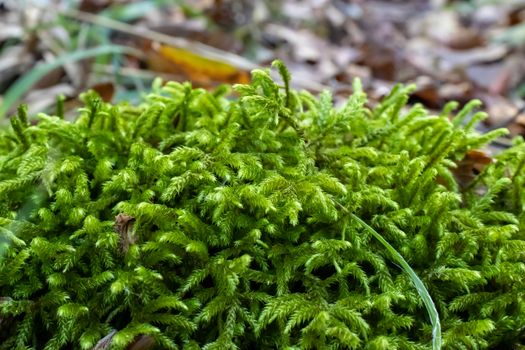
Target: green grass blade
422,291
25,82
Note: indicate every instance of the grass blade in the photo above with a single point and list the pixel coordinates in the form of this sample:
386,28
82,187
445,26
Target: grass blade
25,82
422,291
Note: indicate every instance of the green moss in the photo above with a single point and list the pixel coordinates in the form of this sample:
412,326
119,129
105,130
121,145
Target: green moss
196,220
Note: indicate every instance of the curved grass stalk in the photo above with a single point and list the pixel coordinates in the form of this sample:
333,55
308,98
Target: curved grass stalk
24,83
420,287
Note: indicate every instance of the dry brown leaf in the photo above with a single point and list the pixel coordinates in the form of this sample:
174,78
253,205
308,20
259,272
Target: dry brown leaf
500,109
105,90
52,77
457,91
517,127
94,6
381,61
427,91
463,58
470,166
445,27
420,53
124,226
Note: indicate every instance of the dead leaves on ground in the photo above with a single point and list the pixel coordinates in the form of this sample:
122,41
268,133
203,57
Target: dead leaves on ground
453,50
25,47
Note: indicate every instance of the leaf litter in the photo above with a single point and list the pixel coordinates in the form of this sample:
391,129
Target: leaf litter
452,50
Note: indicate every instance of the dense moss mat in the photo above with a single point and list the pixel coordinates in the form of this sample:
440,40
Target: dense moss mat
204,221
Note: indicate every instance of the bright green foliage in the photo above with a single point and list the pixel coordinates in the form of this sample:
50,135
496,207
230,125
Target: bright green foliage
209,222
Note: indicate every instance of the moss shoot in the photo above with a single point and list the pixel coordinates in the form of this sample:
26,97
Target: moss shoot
203,220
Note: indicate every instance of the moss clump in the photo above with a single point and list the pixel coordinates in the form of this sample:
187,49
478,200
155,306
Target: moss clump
195,221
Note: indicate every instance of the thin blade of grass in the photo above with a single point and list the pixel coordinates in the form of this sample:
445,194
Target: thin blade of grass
25,82
420,287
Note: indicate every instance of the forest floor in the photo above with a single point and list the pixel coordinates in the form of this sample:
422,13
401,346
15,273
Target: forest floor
452,50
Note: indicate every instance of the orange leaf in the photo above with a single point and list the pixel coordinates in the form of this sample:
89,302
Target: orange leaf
196,68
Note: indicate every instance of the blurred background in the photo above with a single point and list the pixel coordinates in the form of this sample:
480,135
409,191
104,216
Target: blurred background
452,50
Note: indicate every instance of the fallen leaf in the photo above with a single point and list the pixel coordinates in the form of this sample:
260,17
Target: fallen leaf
500,109
124,225
512,76
381,61
483,75
382,50
516,14
352,71
105,90
305,45
461,92
517,126
14,60
230,14
197,68
470,166
94,6
427,91
51,78
392,11
420,53
490,15
297,10
11,30
336,16
379,89
445,27
463,58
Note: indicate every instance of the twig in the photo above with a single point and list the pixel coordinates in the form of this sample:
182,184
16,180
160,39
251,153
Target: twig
196,47
135,72
193,46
